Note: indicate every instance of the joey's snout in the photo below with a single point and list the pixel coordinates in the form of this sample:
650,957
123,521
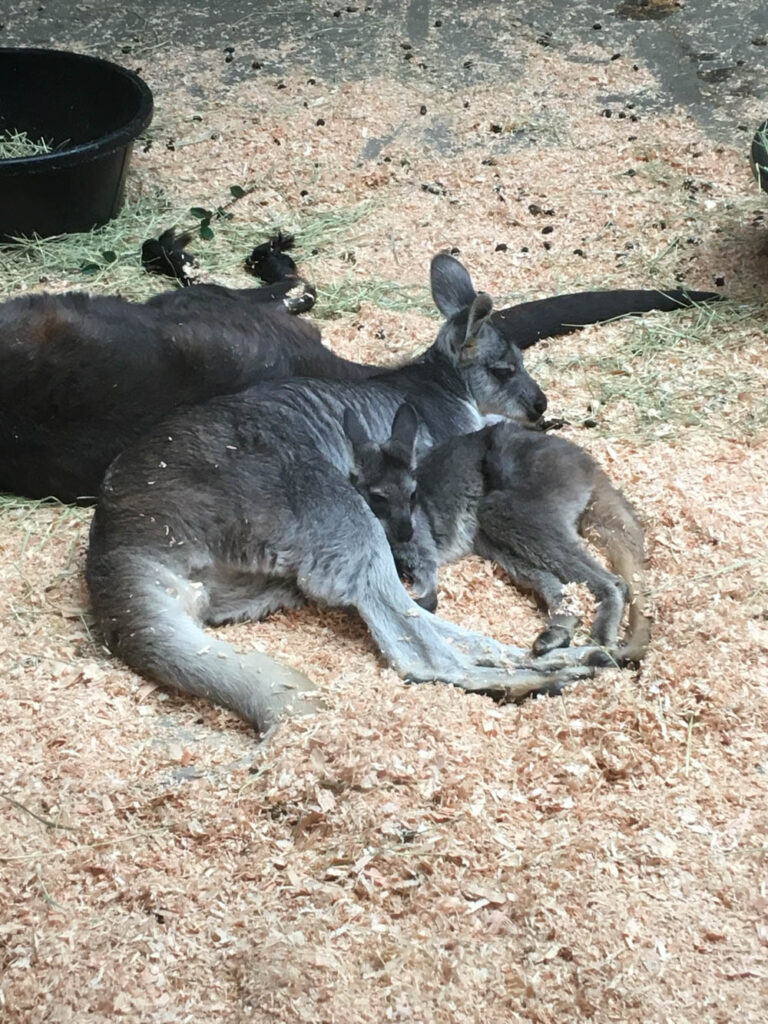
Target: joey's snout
538,406
400,530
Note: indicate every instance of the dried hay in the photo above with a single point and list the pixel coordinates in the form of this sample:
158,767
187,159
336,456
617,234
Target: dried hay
415,854
15,145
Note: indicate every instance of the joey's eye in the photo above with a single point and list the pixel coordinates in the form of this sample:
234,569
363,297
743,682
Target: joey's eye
379,505
502,371
413,500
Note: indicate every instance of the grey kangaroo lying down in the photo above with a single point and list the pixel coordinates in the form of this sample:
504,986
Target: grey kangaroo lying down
523,500
81,376
232,509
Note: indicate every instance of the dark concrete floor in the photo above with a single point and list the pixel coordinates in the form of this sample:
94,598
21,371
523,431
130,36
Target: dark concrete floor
710,56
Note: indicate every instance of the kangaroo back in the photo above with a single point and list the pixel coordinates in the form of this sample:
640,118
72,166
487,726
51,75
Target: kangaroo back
84,376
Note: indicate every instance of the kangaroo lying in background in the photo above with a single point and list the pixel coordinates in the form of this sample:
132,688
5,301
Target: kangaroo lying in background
232,509
82,376
523,500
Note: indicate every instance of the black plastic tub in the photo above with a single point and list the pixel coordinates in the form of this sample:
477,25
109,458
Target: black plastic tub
90,111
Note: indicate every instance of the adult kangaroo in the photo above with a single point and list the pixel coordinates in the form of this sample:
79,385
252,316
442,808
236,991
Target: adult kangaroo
519,498
232,509
82,376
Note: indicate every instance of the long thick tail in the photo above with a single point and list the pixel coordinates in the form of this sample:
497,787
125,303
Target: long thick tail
612,525
149,616
529,322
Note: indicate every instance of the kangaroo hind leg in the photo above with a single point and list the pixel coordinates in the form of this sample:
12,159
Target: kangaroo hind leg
545,586
541,550
611,524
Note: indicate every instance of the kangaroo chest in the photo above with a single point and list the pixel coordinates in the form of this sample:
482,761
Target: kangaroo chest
453,516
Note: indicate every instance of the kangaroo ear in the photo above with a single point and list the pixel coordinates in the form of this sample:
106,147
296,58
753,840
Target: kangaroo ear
355,431
452,287
479,312
405,426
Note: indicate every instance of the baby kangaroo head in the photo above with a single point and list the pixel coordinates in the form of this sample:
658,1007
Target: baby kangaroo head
385,475
491,366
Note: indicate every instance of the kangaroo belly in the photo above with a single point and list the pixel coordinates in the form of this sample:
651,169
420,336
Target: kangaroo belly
460,540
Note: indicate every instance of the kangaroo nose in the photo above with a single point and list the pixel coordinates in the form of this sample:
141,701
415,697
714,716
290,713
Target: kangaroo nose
539,407
403,531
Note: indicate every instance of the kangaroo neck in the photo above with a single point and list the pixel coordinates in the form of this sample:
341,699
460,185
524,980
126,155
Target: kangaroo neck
431,368
438,392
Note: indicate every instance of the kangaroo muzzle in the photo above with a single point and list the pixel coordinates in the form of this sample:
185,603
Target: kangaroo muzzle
401,530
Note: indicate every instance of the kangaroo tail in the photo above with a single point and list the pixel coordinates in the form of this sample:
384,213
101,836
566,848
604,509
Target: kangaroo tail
529,322
150,616
611,523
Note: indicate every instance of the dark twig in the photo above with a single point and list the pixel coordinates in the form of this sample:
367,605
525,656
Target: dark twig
34,814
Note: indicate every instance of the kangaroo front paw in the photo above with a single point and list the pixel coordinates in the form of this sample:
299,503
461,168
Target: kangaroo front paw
427,601
552,638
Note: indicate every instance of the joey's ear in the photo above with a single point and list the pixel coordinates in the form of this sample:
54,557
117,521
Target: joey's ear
355,431
452,287
405,426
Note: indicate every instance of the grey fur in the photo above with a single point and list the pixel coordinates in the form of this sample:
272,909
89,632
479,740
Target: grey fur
523,500
234,508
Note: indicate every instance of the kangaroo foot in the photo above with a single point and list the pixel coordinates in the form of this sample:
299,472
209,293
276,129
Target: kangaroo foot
514,678
628,656
562,657
301,298
516,684
483,650
422,648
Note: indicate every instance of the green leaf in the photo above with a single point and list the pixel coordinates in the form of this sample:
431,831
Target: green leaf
109,256
206,232
237,191
200,212
90,269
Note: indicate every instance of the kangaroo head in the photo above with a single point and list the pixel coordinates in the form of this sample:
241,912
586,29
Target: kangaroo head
491,366
385,475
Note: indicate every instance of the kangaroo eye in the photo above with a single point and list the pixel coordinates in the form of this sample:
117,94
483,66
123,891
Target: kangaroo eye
379,505
502,371
413,499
